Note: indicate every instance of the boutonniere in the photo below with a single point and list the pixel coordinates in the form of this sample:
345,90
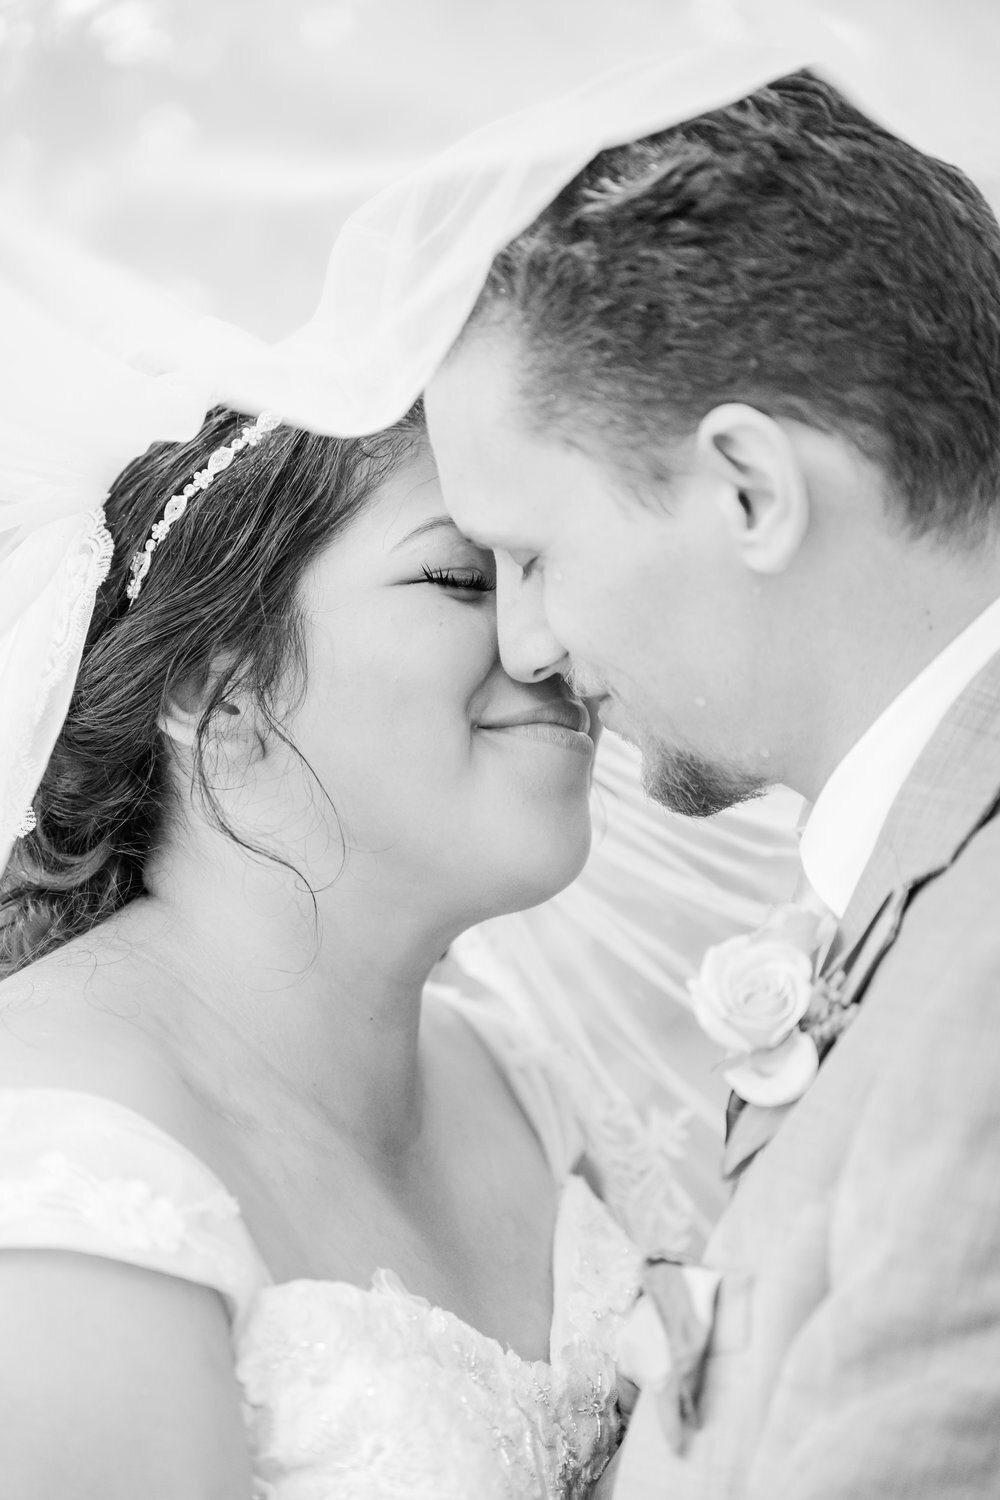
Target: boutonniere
764,997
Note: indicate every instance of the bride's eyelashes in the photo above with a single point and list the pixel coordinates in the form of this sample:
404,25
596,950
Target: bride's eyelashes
469,580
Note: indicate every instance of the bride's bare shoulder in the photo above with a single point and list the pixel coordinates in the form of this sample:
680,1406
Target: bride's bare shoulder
85,1017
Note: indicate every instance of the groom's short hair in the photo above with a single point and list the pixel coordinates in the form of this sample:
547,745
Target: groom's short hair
784,251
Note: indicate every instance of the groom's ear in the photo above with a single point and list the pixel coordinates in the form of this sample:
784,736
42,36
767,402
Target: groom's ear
764,497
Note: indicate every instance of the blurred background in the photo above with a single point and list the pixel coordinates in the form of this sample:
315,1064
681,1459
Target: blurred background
216,145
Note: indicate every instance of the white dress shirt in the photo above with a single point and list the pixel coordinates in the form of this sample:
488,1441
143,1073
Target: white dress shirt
847,817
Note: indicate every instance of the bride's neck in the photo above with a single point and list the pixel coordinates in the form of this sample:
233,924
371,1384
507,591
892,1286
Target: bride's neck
308,1001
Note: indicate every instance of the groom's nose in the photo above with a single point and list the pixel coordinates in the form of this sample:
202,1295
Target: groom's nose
528,648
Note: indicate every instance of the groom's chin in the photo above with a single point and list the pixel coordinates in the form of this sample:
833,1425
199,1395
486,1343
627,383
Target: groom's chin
693,787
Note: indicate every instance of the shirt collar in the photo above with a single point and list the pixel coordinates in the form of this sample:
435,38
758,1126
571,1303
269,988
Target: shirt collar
848,815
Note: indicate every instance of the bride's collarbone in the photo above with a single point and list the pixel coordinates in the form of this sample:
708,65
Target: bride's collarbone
467,1223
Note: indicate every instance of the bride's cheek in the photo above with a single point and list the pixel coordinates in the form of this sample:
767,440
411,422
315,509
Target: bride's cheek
464,638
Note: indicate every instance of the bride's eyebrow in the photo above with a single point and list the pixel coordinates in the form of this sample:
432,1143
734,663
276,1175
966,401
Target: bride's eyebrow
434,523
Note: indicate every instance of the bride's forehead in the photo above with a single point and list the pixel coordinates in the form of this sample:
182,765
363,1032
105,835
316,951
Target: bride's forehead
409,490
407,508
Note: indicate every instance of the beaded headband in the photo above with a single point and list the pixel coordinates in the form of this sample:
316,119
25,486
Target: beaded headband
178,504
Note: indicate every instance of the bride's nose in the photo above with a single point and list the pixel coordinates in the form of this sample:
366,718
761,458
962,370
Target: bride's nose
529,650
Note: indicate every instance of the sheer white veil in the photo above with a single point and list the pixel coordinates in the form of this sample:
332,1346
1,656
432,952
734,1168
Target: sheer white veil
407,267
89,375
71,417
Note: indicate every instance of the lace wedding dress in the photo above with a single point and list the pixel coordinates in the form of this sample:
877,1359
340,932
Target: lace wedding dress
368,1393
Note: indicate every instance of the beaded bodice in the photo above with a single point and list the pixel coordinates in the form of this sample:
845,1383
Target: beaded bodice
375,1393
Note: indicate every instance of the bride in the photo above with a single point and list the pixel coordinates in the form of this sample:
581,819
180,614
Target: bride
278,1220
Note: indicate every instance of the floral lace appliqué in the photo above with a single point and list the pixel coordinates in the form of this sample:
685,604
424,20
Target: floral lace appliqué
634,1153
123,1212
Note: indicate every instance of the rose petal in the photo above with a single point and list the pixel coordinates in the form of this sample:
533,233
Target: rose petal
750,993
787,969
711,991
704,1003
778,1076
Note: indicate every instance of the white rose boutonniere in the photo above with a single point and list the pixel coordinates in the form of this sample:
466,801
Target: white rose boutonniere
758,995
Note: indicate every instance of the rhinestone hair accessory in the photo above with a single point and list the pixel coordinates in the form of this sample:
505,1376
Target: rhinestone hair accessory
178,504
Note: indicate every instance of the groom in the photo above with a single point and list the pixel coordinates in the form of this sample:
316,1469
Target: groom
730,413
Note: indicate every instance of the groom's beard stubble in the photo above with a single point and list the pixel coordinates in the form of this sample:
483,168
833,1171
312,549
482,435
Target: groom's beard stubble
693,787
677,779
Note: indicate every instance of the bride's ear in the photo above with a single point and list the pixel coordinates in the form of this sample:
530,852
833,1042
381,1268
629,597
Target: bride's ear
764,496
185,703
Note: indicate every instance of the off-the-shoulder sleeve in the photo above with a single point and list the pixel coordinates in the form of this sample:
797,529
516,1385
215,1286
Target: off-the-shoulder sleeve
80,1172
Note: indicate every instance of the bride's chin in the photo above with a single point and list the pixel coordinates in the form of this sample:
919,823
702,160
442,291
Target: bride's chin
542,874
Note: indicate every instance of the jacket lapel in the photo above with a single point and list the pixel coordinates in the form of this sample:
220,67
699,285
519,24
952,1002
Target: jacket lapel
951,791
949,794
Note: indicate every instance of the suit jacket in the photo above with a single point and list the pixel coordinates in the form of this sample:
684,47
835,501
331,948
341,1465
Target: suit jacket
856,1346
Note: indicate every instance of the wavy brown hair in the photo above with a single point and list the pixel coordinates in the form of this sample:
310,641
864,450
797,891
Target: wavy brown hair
219,612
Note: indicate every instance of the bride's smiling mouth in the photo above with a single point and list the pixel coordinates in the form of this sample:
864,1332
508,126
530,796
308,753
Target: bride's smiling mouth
565,723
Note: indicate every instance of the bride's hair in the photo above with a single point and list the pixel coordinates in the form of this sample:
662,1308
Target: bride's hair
218,613
784,251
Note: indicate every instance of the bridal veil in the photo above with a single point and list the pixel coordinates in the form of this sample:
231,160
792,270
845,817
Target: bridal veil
94,369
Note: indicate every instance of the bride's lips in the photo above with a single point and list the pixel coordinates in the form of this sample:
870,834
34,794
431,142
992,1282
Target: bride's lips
565,723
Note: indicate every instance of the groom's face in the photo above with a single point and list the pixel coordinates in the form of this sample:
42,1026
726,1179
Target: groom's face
635,590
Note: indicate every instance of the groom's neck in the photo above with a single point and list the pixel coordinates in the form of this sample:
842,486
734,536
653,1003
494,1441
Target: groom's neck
889,622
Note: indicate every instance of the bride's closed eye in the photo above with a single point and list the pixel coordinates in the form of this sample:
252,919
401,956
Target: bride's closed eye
470,580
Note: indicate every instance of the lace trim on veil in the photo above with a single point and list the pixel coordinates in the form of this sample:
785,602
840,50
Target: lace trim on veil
633,1154
72,592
